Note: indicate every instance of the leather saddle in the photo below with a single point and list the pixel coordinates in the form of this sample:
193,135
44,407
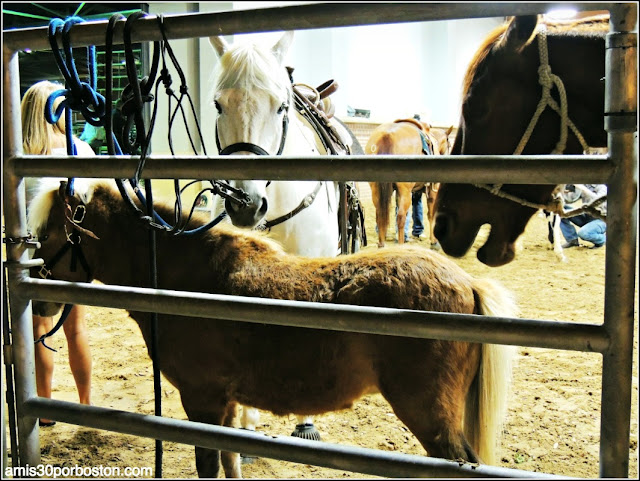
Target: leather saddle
318,96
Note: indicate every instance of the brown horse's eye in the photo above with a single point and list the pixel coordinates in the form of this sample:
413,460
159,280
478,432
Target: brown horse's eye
43,238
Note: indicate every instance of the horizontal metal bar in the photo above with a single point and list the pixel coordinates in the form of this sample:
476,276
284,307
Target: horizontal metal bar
286,448
24,264
339,317
298,17
523,169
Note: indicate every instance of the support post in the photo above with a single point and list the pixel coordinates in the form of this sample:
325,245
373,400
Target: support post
20,307
621,100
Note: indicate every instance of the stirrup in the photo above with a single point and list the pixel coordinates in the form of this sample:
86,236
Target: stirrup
306,431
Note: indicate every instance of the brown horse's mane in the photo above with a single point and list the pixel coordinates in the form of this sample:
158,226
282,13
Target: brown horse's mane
596,25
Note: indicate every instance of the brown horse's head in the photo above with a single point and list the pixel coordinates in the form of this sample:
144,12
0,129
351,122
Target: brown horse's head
501,93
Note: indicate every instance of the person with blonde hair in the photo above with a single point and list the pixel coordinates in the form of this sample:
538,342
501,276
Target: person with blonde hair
42,138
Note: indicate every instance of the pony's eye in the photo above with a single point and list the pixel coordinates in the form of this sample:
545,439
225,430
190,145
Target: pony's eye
282,107
218,107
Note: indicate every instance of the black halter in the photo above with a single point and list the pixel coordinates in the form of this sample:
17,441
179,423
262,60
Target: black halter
73,244
253,148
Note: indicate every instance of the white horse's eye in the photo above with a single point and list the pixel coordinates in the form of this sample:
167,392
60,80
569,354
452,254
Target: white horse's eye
218,107
282,107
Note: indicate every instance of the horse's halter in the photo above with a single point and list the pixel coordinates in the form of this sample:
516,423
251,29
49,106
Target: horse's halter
256,149
547,79
253,148
73,244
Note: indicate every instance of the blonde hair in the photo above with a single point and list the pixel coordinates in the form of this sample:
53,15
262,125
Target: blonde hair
38,135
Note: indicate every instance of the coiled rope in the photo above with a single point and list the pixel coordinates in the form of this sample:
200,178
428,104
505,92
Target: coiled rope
547,79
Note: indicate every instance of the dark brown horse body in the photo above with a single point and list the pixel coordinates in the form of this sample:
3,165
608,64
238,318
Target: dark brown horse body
404,137
217,364
501,94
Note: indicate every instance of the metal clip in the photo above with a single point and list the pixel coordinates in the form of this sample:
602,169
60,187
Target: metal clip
44,272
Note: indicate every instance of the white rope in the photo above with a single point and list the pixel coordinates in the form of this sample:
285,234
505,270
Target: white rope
547,79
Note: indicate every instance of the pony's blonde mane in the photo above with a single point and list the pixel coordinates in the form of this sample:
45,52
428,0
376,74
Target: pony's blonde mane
44,197
47,190
250,66
596,25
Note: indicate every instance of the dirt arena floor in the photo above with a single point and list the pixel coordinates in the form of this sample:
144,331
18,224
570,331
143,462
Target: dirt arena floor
552,426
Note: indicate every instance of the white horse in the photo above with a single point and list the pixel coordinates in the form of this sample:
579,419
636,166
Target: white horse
256,116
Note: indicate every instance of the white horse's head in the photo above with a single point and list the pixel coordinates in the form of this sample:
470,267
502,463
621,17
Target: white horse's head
252,96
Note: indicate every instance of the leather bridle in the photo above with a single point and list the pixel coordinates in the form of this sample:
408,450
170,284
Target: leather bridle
257,150
253,148
73,244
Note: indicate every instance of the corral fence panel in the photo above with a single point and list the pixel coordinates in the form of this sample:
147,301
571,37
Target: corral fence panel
618,169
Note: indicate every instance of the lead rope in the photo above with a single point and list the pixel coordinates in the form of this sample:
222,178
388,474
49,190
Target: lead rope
547,79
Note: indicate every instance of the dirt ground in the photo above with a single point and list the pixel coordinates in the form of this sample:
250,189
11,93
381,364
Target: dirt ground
552,426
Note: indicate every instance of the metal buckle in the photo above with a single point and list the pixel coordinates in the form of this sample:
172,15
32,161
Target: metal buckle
44,272
79,213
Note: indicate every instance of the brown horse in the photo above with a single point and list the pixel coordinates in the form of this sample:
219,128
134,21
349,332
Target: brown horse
451,395
404,137
502,90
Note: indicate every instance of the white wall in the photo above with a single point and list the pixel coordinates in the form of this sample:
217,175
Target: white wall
393,70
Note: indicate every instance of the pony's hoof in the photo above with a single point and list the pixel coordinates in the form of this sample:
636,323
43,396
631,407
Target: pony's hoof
306,431
436,246
247,459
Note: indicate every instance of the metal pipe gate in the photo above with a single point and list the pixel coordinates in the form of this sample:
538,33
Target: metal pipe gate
618,169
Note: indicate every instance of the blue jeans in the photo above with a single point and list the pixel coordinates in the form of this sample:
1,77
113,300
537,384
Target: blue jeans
591,229
417,216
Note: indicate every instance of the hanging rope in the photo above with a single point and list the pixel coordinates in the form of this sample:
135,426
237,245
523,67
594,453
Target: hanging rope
134,96
77,95
547,79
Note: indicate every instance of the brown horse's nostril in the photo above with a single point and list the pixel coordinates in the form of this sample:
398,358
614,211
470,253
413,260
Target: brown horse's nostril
441,227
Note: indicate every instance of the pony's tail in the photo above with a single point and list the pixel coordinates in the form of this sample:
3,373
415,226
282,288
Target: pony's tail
486,405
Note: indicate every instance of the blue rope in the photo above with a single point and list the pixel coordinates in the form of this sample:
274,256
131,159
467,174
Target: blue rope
83,97
77,95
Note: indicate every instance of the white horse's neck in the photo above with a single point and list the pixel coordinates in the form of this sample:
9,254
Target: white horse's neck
314,231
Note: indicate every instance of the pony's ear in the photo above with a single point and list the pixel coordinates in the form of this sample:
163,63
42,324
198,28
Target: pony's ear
62,190
281,48
519,32
219,44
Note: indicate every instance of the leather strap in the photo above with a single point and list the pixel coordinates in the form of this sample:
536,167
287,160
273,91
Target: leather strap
306,202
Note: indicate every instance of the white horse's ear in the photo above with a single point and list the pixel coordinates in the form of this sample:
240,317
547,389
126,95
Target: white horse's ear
219,44
281,48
